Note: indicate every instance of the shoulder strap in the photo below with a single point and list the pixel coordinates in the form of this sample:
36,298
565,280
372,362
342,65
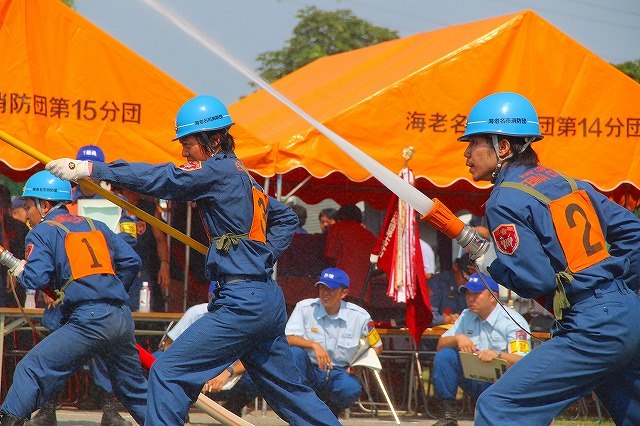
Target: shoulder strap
572,182
251,179
524,188
60,293
537,194
58,224
90,222
65,229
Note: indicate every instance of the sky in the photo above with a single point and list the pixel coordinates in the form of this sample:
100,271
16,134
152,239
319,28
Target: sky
246,28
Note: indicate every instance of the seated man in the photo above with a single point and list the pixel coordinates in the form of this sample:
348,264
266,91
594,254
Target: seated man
484,329
446,301
324,334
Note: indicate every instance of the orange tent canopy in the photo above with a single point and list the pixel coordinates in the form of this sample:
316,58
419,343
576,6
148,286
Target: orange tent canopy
416,91
65,83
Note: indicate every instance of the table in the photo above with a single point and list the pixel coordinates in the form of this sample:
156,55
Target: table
436,332
12,319
400,350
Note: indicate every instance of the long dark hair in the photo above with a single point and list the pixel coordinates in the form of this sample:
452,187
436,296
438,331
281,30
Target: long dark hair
219,140
528,157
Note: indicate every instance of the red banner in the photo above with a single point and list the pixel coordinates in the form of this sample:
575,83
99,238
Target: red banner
400,256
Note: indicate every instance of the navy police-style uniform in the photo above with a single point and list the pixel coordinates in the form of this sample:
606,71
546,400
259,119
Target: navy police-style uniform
498,332
588,247
247,316
96,319
340,337
444,294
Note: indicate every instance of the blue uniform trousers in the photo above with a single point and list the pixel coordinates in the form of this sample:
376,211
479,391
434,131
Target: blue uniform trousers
101,375
246,321
447,376
93,329
596,348
52,319
339,389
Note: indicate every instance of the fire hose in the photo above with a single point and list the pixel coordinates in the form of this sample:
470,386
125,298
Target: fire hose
433,211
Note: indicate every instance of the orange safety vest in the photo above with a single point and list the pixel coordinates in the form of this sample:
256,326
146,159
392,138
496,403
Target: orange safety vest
87,252
576,224
578,230
258,231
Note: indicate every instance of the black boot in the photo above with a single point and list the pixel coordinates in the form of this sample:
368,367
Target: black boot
110,415
7,419
94,398
449,413
47,414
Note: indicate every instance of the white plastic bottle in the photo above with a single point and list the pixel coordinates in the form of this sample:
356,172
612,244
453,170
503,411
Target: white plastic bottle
30,300
145,298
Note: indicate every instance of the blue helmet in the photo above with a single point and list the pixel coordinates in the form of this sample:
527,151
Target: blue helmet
91,153
45,186
201,114
504,113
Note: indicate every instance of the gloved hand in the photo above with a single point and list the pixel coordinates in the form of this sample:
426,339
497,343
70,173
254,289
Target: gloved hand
15,271
484,261
14,264
69,169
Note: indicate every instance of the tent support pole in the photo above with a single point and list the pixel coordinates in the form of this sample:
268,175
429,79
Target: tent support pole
298,186
279,187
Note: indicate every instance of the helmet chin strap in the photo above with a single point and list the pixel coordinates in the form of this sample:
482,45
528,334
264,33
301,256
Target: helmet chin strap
494,140
496,172
39,207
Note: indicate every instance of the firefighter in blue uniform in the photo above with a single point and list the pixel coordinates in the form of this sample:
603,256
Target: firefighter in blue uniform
248,231
556,238
101,392
88,267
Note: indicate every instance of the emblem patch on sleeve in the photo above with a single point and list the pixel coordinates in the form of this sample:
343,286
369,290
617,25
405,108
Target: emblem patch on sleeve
28,251
506,238
191,166
141,227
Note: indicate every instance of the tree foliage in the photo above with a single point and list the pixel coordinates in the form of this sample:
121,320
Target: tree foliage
320,33
631,68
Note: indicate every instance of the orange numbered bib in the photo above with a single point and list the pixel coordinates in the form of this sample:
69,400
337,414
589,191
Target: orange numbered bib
258,230
88,254
576,223
579,231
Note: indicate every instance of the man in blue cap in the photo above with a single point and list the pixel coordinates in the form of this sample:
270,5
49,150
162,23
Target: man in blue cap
485,329
324,335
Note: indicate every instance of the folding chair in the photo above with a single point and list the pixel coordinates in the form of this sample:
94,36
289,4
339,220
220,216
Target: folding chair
372,366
